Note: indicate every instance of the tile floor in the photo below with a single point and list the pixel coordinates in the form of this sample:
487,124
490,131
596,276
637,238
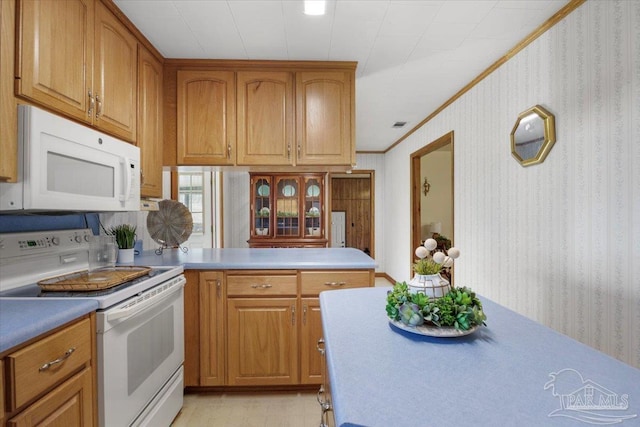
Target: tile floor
282,409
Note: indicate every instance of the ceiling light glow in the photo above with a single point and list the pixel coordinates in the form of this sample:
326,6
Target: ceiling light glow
314,7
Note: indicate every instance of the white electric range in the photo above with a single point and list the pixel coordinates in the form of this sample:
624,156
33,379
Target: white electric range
140,323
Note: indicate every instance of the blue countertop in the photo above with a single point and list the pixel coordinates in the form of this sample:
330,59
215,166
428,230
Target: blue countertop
23,319
502,374
260,259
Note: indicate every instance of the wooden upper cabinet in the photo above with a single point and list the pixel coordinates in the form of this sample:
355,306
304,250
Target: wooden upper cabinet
150,134
324,118
8,110
265,118
56,54
206,117
116,53
77,58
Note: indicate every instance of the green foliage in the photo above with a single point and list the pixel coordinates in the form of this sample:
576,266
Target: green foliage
125,235
459,308
426,266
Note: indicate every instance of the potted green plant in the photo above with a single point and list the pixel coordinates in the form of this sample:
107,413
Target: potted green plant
125,235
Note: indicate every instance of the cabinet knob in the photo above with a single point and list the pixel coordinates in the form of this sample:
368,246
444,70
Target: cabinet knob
92,104
99,107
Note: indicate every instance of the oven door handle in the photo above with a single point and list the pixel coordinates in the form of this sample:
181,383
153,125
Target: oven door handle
140,305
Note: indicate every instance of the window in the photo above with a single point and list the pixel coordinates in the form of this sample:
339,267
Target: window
199,192
191,194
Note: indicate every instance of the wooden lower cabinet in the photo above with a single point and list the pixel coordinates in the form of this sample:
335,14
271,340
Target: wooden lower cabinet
212,336
63,394
262,340
70,404
258,328
310,333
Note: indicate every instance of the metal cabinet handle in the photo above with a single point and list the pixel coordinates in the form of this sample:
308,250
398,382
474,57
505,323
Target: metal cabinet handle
219,288
304,314
299,148
141,176
264,286
335,284
324,404
293,314
99,108
60,359
319,344
229,151
92,104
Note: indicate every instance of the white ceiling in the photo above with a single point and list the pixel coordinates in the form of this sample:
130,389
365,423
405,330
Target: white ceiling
412,55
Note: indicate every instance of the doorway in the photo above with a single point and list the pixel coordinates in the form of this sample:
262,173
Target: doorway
352,195
432,191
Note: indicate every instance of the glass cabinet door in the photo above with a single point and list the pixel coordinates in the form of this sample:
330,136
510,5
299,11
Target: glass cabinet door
313,197
262,206
287,198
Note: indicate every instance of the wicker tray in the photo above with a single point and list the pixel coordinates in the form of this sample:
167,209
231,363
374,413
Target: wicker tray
104,278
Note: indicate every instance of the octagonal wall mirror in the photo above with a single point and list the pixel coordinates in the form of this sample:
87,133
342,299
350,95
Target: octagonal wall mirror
533,135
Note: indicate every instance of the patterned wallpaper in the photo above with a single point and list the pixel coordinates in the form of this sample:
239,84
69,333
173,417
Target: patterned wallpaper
558,242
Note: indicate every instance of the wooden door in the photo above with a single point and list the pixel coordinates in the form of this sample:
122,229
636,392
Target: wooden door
310,333
265,118
55,58
150,134
211,329
8,111
115,86
70,404
262,341
324,118
206,117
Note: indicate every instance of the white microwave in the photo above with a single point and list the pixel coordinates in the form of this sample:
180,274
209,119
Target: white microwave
65,166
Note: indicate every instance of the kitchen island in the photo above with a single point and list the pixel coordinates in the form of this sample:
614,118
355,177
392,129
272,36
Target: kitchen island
512,372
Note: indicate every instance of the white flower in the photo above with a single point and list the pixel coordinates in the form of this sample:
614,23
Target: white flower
422,252
439,257
453,253
430,244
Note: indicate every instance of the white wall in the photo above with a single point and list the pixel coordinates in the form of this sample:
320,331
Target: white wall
375,162
558,242
437,205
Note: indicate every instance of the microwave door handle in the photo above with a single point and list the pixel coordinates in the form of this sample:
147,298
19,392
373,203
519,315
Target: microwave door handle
127,179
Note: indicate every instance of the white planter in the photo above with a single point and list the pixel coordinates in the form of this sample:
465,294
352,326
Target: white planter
125,256
432,285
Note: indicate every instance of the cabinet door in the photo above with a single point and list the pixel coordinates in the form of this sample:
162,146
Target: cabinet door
262,341
287,205
206,117
70,404
313,206
150,123
192,328
324,118
115,84
211,329
56,54
310,333
8,110
265,118
261,207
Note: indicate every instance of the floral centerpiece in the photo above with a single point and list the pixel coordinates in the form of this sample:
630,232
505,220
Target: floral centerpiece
438,305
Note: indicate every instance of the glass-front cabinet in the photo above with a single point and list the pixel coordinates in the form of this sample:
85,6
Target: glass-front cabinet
287,210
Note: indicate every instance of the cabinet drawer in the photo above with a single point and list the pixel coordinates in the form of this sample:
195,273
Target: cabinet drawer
314,282
261,285
64,352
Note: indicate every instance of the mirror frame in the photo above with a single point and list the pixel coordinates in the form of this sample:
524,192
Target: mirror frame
549,127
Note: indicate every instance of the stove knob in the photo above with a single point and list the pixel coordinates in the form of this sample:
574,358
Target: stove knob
78,239
55,240
87,237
